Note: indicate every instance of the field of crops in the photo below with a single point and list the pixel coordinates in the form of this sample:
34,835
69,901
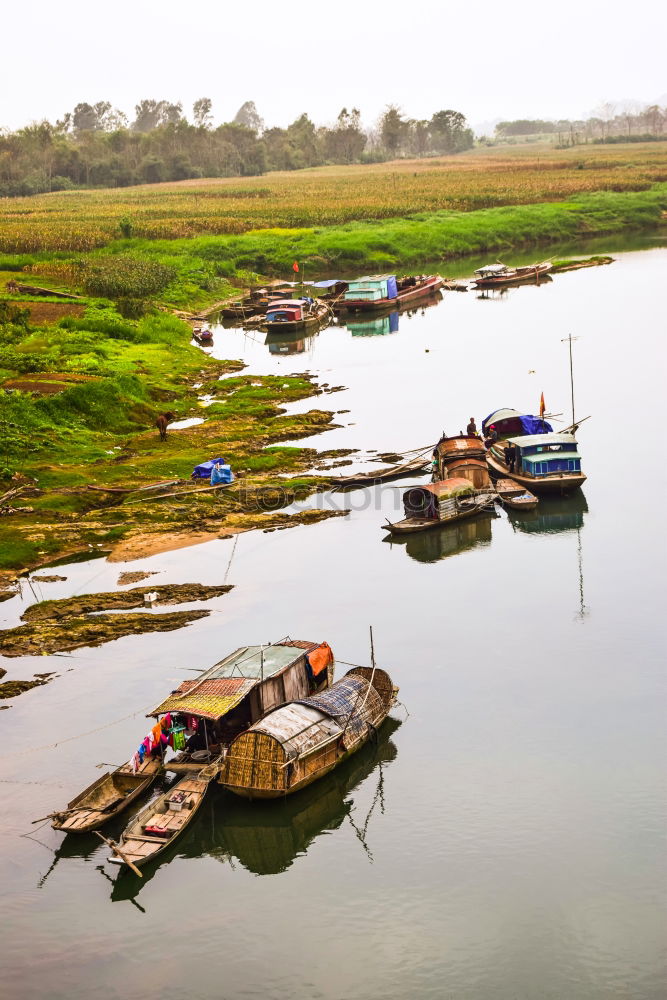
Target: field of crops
83,220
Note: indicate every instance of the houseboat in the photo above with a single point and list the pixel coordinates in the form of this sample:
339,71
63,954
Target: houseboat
377,292
303,740
462,457
440,503
540,463
295,314
497,275
206,713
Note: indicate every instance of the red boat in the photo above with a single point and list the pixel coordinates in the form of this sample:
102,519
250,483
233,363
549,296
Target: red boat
383,290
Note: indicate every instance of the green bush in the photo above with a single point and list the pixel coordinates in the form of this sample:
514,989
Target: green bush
121,276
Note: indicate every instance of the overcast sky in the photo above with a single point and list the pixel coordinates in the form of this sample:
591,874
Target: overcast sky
487,59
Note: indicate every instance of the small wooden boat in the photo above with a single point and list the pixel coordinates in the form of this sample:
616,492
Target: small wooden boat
497,275
295,314
303,740
411,468
440,503
106,797
512,495
157,826
203,337
382,290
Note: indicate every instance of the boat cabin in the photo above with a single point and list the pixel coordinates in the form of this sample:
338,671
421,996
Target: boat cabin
493,270
436,500
540,455
205,714
286,311
372,288
462,457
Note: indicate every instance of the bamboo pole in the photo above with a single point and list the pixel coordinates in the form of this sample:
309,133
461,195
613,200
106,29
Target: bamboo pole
116,849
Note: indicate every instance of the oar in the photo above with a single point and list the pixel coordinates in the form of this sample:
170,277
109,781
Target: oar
116,849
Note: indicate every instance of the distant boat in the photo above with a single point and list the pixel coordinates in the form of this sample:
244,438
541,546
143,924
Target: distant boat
496,275
380,291
303,740
440,503
203,337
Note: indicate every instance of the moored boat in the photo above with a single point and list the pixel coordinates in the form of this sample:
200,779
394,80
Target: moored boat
497,275
376,292
303,740
107,797
412,468
156,827
440,503
204,337
513,495
295,314
206,713
541,463
461,457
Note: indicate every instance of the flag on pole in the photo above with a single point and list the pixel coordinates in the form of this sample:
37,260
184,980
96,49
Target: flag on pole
295,266
542,406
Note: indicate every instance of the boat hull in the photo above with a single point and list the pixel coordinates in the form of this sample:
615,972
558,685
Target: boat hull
527,276
141,848
95,805
557,482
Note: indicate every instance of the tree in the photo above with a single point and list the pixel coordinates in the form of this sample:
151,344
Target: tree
249,116
393,129
449,132
201,112
345,142
151,114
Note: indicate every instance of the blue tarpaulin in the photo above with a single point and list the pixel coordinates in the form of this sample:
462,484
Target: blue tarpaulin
392,287
535,425
221,474
516,423
325,284
204,470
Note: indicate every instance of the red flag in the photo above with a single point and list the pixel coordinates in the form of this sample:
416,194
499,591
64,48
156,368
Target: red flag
542,406
295,266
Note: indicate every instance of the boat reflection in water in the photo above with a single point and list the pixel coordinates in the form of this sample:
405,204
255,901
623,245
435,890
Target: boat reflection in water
266,837
495,294
295,342
439,543
553,514
373,325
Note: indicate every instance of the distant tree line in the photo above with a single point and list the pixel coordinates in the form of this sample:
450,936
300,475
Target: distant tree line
95,145
609,122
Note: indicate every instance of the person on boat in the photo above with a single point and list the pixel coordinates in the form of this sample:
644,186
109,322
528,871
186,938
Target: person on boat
471,429
507,455
510,457
493,433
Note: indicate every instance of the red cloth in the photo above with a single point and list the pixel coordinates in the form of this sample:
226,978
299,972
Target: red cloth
320,658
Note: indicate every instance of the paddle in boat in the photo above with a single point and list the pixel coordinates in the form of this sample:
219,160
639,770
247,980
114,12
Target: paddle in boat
440,503
107,797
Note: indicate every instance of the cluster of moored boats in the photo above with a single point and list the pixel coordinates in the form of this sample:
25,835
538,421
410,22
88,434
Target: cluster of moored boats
264,722
518,456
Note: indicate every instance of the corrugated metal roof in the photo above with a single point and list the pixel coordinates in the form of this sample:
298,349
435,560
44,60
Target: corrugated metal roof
255,661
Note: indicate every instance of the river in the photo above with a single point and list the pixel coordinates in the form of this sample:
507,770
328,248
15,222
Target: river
506,839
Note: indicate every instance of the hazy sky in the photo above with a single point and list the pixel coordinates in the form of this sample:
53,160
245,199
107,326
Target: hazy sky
487,59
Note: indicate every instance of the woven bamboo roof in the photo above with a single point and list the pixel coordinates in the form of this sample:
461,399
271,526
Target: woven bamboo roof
211,700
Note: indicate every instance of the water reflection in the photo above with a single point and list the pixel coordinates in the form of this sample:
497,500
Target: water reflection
552,515
289,343
267,837
499,293
373,326
439,543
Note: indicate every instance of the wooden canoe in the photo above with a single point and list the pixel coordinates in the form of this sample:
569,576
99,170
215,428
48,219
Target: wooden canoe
106,798
413,467
139,846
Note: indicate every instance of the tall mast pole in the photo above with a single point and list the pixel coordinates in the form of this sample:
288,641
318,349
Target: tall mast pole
569,339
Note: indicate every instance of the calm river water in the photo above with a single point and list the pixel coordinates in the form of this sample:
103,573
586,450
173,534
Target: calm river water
507,838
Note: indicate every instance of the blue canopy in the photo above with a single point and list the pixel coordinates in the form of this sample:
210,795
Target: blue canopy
326,284
535,425
516,423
